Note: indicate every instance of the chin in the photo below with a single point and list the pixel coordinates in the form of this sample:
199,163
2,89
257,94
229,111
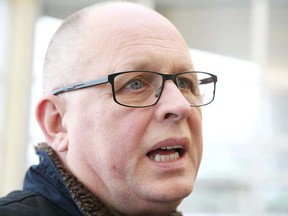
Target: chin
153,209
166,203
176,194
171,194
158,201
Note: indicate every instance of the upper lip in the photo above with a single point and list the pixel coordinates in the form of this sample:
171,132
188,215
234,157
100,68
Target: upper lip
183,143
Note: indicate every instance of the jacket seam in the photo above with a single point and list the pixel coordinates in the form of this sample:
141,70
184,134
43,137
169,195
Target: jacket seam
15,200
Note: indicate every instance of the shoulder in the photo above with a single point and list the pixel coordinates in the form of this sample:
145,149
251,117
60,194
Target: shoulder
28,203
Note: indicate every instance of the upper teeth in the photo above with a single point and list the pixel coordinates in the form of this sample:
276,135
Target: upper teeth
171,147
164,158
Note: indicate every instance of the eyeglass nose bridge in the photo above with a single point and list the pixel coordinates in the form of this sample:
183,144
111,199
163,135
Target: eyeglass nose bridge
169,77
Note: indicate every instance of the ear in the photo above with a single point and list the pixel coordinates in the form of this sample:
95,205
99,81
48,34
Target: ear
49,114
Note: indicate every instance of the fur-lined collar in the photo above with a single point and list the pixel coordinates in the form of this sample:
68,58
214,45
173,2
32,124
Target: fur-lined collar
86,201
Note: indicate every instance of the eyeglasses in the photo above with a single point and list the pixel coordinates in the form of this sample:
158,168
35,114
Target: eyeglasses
144,88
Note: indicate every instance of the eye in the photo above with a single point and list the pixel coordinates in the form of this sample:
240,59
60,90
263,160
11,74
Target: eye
135,84
184,83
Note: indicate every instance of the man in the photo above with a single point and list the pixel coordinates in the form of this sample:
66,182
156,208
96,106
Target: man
118,142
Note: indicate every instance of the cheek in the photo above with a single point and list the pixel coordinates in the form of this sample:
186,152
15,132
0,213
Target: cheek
195,123
195,127
113,137
126,133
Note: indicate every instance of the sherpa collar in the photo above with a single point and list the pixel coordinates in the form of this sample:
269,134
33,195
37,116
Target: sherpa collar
86,201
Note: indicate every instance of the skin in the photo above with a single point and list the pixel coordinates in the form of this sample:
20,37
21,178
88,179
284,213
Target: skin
105,145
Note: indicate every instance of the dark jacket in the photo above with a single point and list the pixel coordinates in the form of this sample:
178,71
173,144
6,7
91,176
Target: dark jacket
28,203
50,190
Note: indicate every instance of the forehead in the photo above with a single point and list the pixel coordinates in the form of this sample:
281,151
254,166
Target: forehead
152,58
134,41
142,50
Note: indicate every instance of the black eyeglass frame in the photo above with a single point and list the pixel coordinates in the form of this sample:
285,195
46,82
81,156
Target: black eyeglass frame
110,79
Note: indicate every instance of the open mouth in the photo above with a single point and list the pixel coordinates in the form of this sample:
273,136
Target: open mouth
167,153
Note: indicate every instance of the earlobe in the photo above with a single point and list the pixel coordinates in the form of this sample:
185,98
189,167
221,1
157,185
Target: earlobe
49,115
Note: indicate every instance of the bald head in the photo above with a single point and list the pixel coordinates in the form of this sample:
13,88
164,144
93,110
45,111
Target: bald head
91,38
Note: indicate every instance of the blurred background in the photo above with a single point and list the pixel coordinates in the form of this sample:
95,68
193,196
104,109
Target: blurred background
244,42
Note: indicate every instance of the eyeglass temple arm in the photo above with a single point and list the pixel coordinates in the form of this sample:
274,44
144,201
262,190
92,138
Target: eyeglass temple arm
208,80
81,85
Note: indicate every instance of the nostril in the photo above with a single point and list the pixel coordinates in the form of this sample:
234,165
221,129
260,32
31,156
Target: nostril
170,115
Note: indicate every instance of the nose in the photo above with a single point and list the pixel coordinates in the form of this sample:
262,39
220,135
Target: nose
172,104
